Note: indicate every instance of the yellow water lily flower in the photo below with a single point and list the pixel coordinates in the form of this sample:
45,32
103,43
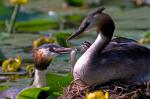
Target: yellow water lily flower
42,40
30,69
20,2
11,64
98,95
144,41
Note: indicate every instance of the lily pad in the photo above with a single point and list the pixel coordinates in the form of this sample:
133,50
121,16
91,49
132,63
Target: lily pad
57,82
3,87
75,2
33,93
61,38
1,55
36,25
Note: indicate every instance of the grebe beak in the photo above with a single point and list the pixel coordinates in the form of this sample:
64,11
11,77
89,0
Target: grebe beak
89,23
82,28
62,50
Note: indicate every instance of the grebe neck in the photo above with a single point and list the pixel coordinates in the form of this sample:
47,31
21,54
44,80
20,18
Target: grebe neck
99,44
39,78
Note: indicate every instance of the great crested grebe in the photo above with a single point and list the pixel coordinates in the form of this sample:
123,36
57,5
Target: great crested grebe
43,56
107,59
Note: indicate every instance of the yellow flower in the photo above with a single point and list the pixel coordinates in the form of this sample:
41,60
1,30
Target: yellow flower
11,64
106,95
43,40
20,2
97,95
30,69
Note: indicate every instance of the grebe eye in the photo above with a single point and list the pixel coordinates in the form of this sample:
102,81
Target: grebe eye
51,49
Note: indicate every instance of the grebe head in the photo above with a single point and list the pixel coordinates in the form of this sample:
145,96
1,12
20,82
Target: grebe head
44,54
97,20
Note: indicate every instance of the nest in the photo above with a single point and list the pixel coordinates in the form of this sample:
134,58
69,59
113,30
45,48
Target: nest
116,89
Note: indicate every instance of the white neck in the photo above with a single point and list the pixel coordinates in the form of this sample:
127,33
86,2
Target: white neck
39,79
98,45
86,59
73,58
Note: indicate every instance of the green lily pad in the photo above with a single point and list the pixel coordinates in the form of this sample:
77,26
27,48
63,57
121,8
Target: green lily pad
75,2
61,38
57,82
3,87
36,25
4,35
2,57
33,93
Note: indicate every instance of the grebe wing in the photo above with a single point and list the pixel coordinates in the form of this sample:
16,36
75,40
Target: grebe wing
122,40
127,45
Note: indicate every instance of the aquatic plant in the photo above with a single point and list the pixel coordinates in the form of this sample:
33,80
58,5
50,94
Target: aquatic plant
2,57
97,95
42,40
75,2
61,38
12,64
146,39
17,4
30,69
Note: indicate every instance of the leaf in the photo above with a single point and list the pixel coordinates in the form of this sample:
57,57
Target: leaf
75,2
33,93
42,40
3,87
4,35
61,38
36,25
2,57
11,64
57,82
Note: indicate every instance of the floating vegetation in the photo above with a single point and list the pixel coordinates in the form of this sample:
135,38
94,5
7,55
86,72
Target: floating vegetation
30,69
2,57
73,20
75,2
42,40
11,64
33,93
61,38
2,25
3,87
36,25
146,39
55,83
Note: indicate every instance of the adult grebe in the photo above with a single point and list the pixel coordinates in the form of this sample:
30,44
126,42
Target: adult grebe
43,56
107,59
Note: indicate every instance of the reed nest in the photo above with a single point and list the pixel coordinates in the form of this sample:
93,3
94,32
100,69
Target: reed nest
116,89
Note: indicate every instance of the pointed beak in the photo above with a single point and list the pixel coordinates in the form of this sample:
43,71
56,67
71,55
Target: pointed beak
79,31
63,50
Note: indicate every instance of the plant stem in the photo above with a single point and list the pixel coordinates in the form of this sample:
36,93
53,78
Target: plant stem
13,18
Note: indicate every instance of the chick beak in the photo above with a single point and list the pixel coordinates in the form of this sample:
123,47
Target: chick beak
63,50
